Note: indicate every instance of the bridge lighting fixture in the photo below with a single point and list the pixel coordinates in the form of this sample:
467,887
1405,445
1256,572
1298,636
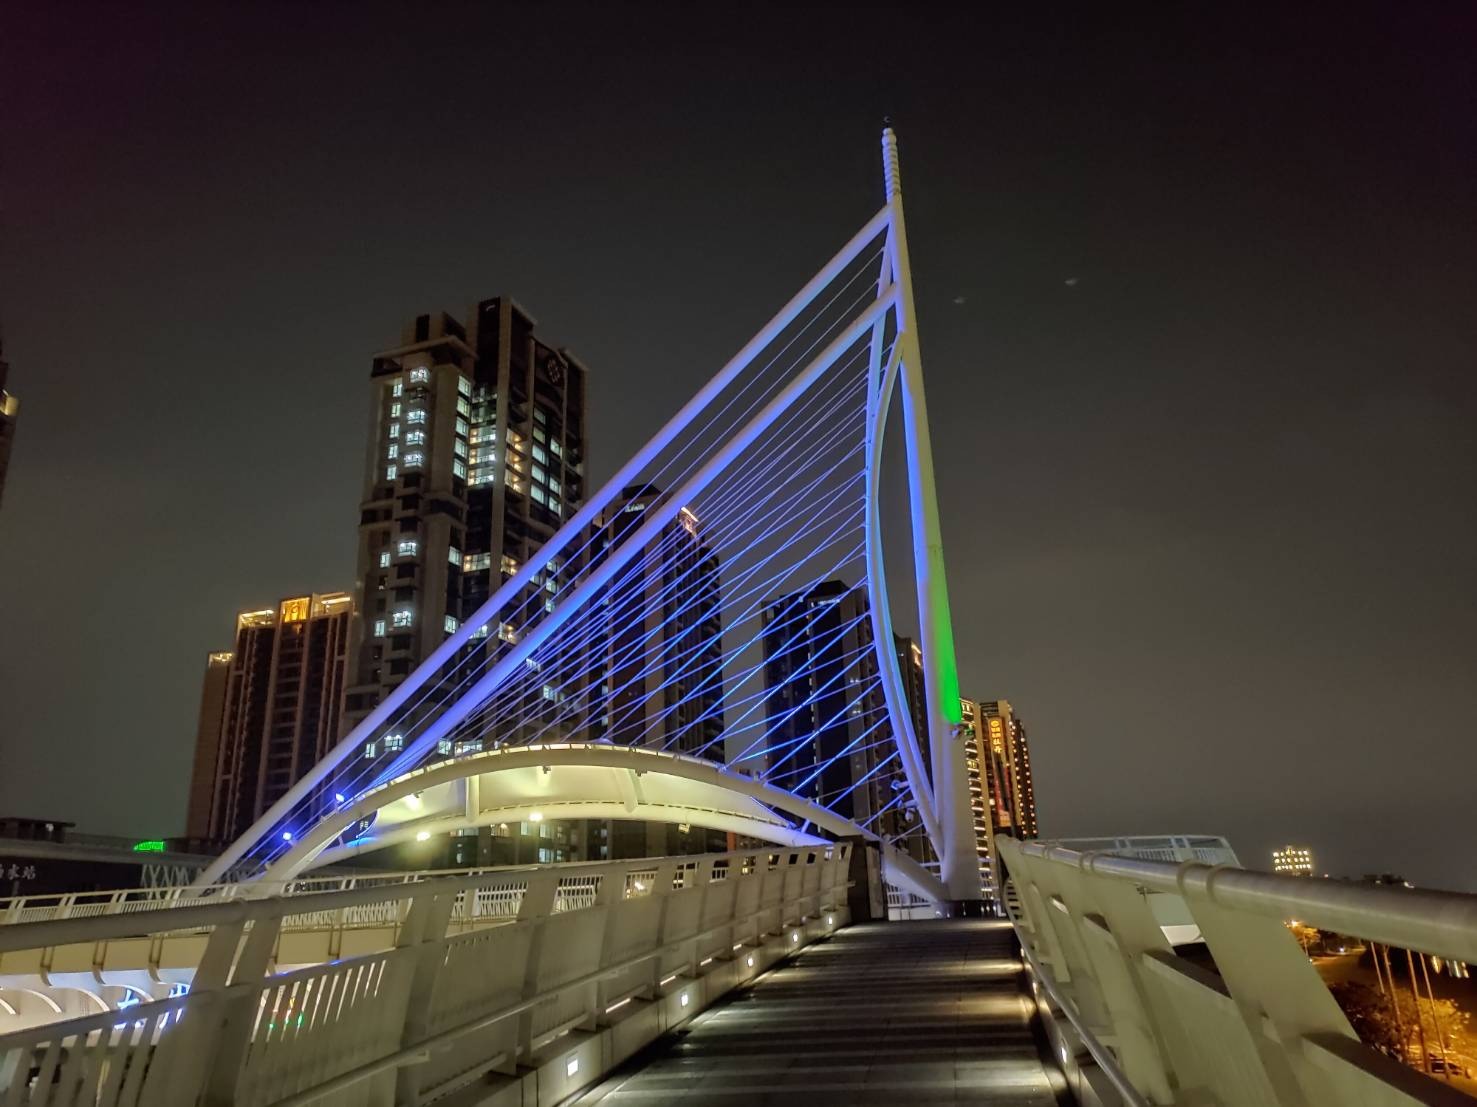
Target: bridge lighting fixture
535,816
751,960
423,836
287,835
571,1066
705,961
413,800
338,797
684,999
794,935
830,920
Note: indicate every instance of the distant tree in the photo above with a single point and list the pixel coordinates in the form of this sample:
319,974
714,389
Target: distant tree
1372,1015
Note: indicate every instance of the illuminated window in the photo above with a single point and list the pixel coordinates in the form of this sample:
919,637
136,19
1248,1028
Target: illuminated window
394,411
394,451
458,468
509,565
420,376
538,495
463,386
550,693
397,389
394,743
539,454
395,429
463,408
408,547
549,604
384,559
556,448
415,415
472,562
507,632
415,460
379,628
481,632
443,747
401,618
415,438
391,472
454,555
550,584
468,745
450,623
370,750
461,427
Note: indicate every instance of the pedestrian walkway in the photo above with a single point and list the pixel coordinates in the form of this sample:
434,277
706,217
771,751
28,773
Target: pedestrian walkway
883,1013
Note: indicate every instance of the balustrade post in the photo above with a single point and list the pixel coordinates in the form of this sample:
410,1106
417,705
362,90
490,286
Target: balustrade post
537,905
1116,927
1277,991
237,1014
423,937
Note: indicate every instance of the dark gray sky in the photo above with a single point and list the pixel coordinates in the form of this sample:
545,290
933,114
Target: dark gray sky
1197,302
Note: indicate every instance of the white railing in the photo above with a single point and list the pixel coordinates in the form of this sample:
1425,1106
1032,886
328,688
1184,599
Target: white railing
123,901
1258,1029
586,970
1208,849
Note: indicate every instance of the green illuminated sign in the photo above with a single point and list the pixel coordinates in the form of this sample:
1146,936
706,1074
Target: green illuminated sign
153,845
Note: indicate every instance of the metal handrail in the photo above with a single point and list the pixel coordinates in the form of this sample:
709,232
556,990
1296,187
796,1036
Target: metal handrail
1440,923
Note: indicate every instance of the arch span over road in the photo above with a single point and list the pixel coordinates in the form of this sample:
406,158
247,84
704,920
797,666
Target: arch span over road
575,781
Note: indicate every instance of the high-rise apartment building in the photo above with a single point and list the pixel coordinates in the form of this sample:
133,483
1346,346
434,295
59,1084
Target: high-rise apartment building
660,646
476,456
1293,860
655,664
207,743
269,710
829,737
1001,789
10,407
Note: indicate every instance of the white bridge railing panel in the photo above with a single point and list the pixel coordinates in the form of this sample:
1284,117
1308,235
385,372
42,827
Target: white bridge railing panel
473,977
1260,1028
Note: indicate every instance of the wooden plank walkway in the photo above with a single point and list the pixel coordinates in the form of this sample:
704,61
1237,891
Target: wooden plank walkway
927,1012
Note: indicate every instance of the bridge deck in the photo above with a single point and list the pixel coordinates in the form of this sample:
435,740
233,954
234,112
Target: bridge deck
915,1012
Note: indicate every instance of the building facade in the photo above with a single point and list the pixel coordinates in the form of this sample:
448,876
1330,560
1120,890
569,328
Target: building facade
1002,792
10,407
476,453
207,743
1293,860
270,709
829,737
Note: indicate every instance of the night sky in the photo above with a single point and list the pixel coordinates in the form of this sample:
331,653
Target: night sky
1199,321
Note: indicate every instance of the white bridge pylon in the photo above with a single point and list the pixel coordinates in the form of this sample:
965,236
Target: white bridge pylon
774,470
572,781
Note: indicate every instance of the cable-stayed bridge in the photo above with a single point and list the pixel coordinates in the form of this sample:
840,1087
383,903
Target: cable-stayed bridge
664,658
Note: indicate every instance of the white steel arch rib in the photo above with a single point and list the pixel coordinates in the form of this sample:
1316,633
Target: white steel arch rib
467,792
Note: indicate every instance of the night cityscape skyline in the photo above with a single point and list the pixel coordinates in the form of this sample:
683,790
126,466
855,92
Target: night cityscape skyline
1201,375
